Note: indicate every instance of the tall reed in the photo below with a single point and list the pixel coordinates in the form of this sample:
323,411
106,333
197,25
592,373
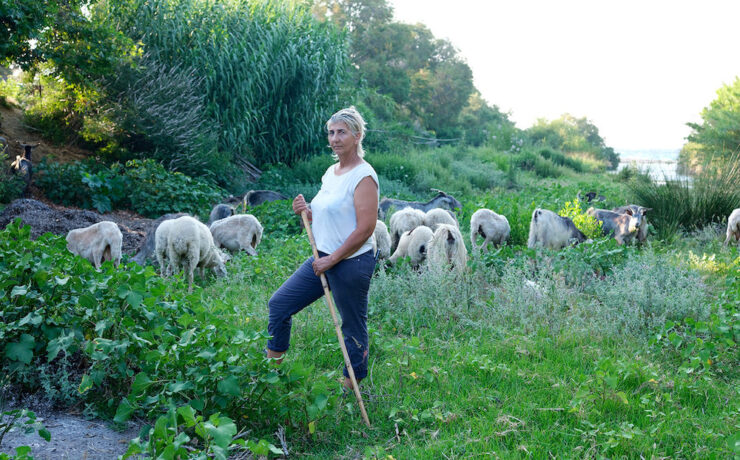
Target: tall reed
689,204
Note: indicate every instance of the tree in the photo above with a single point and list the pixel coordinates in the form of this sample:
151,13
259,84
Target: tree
718,134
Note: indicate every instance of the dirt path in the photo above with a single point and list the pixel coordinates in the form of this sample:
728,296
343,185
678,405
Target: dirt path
72,438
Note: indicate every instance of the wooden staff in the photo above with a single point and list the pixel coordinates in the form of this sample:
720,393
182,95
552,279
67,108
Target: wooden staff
330,302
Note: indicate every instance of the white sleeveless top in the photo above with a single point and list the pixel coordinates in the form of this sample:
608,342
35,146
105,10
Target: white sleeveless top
333,208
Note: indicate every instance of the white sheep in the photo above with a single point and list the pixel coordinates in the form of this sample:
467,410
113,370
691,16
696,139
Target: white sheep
403,221
733,227
447,248
236,233
413,244
97,243
437,216
189,246
381,240
160,246
494,228
552,231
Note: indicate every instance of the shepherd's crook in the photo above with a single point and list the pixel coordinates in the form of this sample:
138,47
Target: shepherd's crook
330,302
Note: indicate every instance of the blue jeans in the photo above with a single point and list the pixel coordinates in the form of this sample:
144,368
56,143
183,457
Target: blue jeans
349,281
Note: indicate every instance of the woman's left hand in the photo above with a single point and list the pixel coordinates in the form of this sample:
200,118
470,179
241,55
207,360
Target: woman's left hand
322,264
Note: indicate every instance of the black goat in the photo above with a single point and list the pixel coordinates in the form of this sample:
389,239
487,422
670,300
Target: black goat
22,165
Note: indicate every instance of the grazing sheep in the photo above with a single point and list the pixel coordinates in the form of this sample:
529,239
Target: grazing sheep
381,241
733,227
147,248
552,231
403,221
97,243
161,235
257,197
494,228
442,200
623,227
189,246
220,211
590,196
413,244
639,212
236,233
447,248
437,216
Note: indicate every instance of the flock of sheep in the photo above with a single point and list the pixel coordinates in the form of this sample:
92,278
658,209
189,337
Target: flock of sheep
426,233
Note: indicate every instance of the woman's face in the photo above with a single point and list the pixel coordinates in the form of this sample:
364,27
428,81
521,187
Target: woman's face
341,139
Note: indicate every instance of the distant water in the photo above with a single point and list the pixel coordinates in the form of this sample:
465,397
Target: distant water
661,164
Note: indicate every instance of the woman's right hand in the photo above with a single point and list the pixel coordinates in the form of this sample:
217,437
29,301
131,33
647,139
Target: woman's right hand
299,205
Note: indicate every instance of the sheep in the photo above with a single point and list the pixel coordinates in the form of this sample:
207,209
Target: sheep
403,221
639,212
220,211
189,244
494,228
413,244
552,231
97,243
447,248
438,216
442,200
236,233
257,197
147,248
623,227
381,241
161,235
733,227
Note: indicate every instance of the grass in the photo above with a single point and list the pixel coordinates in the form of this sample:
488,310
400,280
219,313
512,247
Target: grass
617,352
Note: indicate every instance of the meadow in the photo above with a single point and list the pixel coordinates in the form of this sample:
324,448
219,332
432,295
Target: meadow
623,352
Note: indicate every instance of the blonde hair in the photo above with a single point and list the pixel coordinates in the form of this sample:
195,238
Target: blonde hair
354,121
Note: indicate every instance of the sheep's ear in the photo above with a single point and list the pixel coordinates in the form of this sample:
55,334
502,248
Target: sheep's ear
628,211
423,249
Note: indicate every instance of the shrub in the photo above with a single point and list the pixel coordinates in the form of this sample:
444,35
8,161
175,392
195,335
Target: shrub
589,225
141,186
11,185
686,204
640,296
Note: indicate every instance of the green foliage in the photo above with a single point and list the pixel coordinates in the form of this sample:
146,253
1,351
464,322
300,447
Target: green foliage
686,204
561,160
141,186
169,437
589,225
141,344
530,161
572,135
269,71
21,419
11,185
717,136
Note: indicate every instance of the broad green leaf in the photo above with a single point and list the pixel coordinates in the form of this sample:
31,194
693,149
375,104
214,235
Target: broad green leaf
229,386
44,433
124,411
221,433
21,351
18,290
141,382
188,415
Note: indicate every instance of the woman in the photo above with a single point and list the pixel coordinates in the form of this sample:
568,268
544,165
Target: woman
343,216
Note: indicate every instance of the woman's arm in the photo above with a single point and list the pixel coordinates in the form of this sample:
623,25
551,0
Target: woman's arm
366,210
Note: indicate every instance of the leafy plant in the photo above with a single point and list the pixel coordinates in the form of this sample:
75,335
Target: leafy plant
589,225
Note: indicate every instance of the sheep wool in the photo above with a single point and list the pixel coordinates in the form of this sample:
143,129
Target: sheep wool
494,228
242,232
97,243
413,244
448,248
381,240
437,216
403,221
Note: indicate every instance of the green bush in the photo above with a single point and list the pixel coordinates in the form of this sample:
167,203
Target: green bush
690,204
589,225
137,344
561,160
144,187
530,161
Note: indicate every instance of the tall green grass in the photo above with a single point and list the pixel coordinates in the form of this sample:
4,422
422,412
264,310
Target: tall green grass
689,204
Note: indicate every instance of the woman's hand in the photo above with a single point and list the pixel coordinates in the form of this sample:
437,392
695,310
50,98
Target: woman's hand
299,205
323,264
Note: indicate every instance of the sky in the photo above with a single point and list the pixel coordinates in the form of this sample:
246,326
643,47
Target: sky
638,70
